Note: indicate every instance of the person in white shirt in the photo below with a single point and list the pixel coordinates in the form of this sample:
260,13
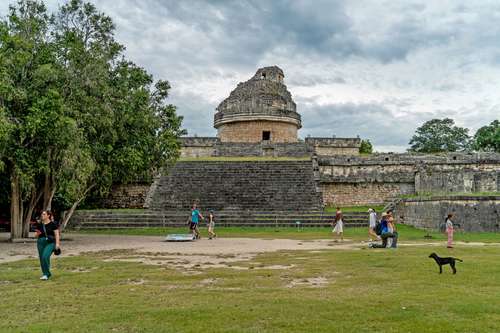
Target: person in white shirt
372,222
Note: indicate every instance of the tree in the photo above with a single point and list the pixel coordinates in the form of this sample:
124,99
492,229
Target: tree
487,138
75,115
365,147
439,135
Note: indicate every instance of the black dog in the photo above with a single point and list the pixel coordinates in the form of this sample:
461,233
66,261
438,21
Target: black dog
444,261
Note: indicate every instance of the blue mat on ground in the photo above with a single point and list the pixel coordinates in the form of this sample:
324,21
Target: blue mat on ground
179,238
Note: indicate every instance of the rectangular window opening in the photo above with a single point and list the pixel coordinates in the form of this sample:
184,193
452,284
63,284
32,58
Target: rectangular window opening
266,135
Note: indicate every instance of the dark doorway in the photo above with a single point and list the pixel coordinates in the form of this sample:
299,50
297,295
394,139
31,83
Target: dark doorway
266,135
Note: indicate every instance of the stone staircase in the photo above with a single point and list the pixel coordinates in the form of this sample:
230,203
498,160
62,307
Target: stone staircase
107,219
287,185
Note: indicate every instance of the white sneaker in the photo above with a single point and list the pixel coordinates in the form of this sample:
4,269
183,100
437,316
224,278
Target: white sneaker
44,277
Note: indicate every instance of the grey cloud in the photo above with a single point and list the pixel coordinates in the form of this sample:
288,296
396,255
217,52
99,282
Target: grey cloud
370,121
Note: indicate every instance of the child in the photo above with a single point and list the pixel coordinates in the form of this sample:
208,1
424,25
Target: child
211,225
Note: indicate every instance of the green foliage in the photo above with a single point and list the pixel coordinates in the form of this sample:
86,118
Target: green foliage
76,115
366,147
439,135
487,138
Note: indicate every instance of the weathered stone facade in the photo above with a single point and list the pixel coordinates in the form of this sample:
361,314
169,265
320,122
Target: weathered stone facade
375,179
259,109
252,132
126,196
471,213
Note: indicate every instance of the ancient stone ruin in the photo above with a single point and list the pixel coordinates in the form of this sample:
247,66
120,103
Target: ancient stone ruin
260,119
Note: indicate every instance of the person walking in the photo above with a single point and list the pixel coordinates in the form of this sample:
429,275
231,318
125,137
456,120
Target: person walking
372,222
449,231
211,225
48,240
338,227
194,220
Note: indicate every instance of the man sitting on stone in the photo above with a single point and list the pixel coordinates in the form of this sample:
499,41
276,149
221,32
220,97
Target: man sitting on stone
388,231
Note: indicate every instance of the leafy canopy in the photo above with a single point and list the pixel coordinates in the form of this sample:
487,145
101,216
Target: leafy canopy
487,138
440,135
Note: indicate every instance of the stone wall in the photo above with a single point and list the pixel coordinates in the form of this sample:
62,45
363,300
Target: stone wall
363,193
465,178
233,149
251,131
198,146
349,180
126,196
471,213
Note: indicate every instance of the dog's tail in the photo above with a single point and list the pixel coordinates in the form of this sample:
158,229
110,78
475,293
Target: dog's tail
459,260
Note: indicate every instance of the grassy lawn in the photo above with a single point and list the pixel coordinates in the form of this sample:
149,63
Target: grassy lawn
324,291
406,233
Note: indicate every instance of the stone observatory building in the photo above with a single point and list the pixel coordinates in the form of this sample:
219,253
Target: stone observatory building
260,118
260,109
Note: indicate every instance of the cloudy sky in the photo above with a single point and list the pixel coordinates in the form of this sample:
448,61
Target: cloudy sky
377,69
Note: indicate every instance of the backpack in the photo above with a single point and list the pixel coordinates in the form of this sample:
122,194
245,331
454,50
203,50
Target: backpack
378,228
442,227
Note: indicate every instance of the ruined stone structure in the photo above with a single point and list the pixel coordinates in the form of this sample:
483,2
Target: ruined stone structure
376,179
260,118
260,109
472,213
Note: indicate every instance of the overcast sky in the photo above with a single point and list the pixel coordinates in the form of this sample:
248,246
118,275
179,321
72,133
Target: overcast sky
377,69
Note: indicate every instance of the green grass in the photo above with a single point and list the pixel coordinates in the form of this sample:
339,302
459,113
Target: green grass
351,209
242,159
407,233
364,291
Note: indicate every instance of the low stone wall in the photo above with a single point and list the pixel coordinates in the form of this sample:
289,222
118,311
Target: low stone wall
471,213
350,194
126,196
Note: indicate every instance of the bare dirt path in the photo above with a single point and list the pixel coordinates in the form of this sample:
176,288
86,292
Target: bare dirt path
204,250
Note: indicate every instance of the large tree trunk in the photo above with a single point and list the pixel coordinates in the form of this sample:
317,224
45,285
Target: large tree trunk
47,189
35,197
69,213
16,220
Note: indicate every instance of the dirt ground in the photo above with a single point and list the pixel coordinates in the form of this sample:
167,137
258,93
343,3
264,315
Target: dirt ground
240,247
155,250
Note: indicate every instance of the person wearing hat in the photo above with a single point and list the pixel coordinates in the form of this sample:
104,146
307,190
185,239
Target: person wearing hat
386,233
372,222
211,225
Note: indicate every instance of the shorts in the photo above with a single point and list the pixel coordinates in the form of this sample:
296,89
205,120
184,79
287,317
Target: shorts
211,225
339,227
193,225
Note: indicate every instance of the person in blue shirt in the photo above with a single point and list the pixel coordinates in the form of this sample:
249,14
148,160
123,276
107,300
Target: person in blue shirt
388,231
194,220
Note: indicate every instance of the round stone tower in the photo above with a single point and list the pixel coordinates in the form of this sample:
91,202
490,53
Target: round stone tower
260,109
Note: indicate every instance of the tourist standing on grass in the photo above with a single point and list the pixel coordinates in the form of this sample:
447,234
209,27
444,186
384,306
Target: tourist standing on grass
211,225
449,230
338,227
47,232
372,222
194,220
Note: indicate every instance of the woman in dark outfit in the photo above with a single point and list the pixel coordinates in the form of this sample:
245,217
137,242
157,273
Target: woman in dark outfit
47,232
